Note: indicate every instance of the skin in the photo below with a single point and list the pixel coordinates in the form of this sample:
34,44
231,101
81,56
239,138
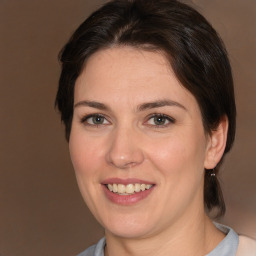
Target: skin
130,144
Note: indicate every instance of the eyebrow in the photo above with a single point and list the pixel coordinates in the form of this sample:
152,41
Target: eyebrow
160,103
142,107
92,104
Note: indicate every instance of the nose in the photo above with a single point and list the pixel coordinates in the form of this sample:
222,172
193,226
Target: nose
125,150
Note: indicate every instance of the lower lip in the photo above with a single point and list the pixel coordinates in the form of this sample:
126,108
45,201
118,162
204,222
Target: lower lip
127,199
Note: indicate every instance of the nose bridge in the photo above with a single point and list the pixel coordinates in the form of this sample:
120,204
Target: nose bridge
124,150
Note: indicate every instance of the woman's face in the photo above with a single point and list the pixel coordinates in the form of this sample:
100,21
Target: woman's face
137,127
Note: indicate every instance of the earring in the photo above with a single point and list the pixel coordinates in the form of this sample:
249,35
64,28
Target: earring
213,173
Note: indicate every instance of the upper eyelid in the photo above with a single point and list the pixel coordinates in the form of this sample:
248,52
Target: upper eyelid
148,117
170,121
86,117
161,115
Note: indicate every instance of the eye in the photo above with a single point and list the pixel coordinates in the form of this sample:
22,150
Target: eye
160,120
95,119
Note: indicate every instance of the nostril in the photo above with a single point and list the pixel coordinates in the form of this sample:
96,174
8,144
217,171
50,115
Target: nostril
124,152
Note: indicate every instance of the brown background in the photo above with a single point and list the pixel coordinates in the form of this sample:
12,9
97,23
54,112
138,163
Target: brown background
41,210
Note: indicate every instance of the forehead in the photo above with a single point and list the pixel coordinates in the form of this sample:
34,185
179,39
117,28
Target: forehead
129,74
129,62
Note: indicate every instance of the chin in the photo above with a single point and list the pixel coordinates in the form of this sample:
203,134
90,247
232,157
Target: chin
129,227
129,231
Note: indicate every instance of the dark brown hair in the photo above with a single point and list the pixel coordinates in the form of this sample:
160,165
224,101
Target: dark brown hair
193,48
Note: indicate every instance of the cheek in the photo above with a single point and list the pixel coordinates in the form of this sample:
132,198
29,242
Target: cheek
179,155
85,153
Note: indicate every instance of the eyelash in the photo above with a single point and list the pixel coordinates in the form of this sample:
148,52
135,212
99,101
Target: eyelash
157,115
84,119
170,120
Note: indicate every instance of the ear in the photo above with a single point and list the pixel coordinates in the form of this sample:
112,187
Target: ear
216,144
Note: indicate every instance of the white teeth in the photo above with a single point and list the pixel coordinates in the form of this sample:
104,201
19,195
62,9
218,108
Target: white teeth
129,189
137,187
148,186
122,189
114,188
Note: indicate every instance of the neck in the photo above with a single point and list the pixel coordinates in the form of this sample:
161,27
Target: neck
198,236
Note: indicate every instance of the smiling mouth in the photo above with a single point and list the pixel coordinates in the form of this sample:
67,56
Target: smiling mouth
129,189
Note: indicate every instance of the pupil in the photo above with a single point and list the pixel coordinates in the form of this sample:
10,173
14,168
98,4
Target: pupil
98,120
159,120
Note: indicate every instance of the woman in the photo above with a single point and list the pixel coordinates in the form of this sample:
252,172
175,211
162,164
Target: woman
146,96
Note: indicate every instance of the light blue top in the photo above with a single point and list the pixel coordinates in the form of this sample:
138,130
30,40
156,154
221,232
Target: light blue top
227,247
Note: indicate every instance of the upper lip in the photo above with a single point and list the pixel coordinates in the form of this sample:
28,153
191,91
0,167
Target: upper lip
125,181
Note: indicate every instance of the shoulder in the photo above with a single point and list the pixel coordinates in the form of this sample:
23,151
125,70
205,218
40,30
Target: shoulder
95,250
246,247
88,252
